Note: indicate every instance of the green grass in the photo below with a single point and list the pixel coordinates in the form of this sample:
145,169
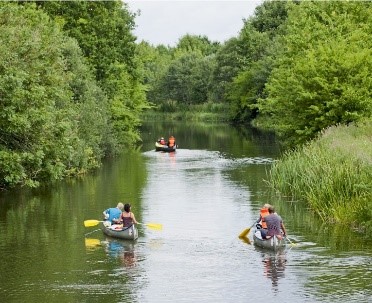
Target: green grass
211,112
333,174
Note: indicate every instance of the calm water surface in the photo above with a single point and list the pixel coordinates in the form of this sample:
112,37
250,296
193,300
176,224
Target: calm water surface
205,194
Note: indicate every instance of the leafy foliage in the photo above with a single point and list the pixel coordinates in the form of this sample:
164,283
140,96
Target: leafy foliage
36,129
55,120
323,72
103,31
257,51
180,75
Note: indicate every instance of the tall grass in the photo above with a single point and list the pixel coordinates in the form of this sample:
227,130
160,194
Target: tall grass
211,112
333,174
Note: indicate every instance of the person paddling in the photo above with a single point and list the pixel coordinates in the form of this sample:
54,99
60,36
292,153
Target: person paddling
275,226
260,224
113,214
171,142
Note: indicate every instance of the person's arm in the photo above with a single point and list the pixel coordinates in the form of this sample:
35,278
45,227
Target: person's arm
134,218
283,228
259,219
117,220
105,214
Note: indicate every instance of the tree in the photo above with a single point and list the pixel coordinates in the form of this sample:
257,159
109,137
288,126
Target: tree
103,31
323,72
154,63
227,65
46,97
187,79
257,49
196,43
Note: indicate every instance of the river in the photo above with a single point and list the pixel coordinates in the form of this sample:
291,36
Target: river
204,195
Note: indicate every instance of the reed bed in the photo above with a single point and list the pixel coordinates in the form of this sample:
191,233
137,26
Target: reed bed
333,174
211,112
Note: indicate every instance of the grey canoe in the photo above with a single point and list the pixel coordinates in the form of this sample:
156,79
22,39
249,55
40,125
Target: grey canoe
130,233
273,243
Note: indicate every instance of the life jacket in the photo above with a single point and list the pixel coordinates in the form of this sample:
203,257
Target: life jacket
263,213
171,141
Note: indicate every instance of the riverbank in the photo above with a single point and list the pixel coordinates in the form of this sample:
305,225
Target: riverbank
332,174
207,112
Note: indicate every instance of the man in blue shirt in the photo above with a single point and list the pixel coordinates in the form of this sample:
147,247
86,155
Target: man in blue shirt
113,214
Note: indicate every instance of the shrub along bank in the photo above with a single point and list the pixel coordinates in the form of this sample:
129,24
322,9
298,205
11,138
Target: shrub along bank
332,174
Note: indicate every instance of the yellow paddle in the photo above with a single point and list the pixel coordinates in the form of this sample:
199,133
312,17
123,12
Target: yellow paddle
156,226
90,223
245,240
292,244
246,231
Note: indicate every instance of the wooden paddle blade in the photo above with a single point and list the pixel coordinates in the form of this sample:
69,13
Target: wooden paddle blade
155,226
89,223
245,232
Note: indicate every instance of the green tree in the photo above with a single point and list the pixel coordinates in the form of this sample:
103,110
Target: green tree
256,53
196,43
187,79
154,63
104,32
323,73
227,65
41,106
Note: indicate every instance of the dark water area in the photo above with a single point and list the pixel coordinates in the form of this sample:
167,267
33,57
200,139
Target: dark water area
204,195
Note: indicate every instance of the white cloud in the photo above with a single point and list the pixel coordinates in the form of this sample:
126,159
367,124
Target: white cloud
164,22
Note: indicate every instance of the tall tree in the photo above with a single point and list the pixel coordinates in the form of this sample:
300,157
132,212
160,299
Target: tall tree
228,62
104,32
257,50
323,74
154,64
187,79
47,95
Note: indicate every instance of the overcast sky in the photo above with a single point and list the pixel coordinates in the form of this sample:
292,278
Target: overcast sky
164,22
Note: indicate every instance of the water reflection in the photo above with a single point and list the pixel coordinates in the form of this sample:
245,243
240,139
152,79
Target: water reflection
122,250
274,263
92,244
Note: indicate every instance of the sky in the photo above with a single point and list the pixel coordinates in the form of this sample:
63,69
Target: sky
165,22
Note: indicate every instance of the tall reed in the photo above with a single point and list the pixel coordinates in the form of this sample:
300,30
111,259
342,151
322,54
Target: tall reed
333,174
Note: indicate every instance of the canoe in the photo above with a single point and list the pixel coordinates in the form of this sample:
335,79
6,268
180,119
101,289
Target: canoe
164,148
129,233
273,243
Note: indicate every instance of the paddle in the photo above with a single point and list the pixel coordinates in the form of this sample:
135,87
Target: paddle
293,244
245,240
246,231
156,226
90,223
